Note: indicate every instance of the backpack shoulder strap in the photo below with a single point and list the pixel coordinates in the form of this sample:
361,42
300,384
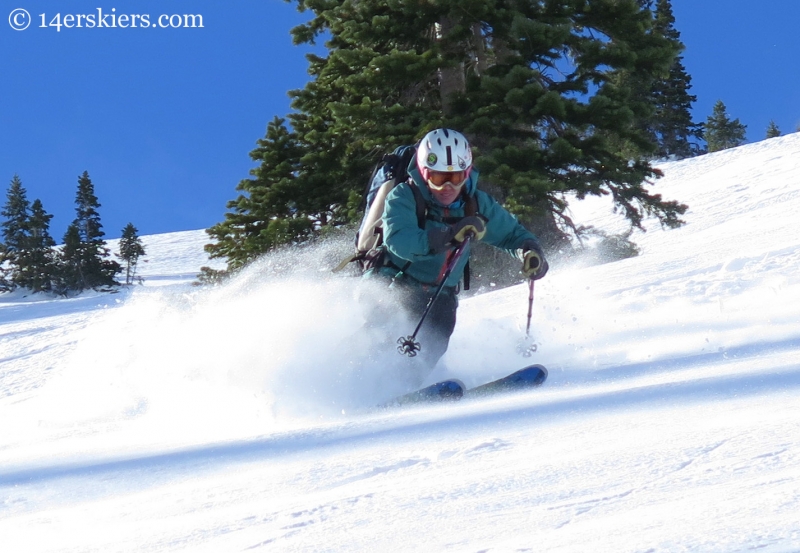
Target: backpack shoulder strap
470,205
470,209
422,209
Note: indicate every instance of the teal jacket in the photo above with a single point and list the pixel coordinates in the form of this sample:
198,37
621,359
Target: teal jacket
405,241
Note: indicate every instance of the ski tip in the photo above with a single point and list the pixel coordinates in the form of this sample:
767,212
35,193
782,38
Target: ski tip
534,375
540,368
529,377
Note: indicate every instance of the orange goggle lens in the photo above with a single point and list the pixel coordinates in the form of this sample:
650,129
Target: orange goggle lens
438,180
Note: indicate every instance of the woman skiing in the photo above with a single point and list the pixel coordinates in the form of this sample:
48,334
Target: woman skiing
415,259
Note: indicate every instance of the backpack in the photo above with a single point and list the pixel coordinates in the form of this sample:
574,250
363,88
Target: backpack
390,170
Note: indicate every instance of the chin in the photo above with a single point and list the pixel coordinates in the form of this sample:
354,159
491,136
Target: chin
445,199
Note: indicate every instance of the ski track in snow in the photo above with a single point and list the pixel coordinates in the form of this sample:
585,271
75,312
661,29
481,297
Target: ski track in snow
173,418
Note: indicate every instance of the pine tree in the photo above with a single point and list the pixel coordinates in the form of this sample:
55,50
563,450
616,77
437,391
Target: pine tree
86,263
6,285
266,214
15,233
70,263
5,278
772,130
531,84
665,103
676,133
28,249
721,132
38,258
15,230
130,250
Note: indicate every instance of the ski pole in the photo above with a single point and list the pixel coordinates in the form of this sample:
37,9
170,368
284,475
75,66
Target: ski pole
530,309
525,349
409,345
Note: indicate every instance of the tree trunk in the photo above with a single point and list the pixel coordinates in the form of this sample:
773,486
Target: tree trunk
451,78
482,63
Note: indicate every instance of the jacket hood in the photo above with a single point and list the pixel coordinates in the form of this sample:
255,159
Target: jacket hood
471,184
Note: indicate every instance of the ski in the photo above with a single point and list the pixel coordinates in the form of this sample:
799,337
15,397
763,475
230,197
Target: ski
523,379
452,390
447,390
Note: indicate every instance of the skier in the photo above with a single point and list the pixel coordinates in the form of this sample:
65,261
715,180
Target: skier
415,258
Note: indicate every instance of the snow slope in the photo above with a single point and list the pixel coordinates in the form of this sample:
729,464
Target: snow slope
173,418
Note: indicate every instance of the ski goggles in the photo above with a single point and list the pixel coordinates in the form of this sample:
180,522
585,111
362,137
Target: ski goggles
438,180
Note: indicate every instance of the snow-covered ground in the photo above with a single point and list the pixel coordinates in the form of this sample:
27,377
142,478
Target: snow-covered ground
175,418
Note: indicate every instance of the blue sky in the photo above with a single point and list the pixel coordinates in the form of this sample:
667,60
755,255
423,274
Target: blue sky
163,118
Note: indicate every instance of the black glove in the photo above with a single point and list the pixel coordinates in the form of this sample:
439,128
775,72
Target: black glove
469,225
440,238
534,265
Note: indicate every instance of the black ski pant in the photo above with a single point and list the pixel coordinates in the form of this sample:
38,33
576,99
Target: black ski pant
396,313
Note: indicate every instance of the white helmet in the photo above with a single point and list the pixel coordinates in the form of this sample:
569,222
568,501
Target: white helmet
444,150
